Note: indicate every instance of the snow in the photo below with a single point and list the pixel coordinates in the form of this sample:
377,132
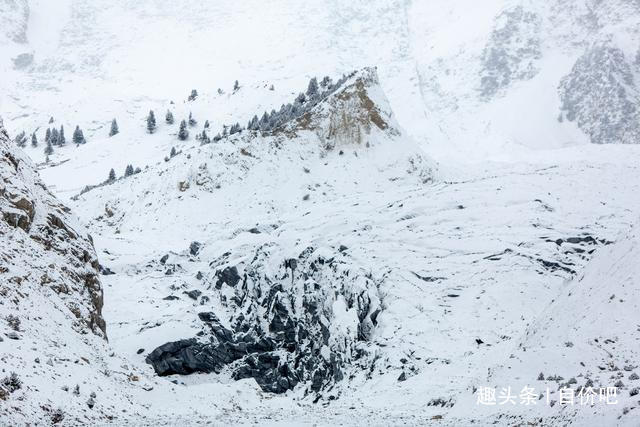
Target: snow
454,212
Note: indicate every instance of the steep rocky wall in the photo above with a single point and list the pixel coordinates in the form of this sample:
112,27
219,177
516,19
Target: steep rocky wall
43,250
601,96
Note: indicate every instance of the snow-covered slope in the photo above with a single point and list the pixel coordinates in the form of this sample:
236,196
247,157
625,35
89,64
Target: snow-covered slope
492,79
585,339
435,223
260,182
404,264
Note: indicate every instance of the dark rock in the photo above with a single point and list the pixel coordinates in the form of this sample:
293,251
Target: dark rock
194,248
402,377
194,294
164,259
228,275
199,275
279,327
140,351
254,230
343,248
183,357
13,336
208,317
171,298
106,271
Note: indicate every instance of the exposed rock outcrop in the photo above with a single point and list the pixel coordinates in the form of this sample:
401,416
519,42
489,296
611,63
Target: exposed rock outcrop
601,96
42,245
304,323
512,51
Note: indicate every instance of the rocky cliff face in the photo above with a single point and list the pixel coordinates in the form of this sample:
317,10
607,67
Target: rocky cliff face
50,293
44,247
601,95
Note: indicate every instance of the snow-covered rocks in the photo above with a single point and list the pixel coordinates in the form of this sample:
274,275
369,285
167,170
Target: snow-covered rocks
52,331
44,246
602,97
512,50
305,318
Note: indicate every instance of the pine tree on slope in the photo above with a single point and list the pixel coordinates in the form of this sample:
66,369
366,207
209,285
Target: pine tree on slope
78,136
48,150
312,89
183,133
34,140
114,128
54,136
151,122
169,118
61,139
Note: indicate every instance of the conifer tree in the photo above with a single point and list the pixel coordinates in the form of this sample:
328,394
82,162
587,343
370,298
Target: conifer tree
194,95
236,86
255,125
114,128
54,136
61,139
50,120
192,121
78,136
206,124
183,133
151,122
47,135
204,138
34,140
235,129
128,171
48,150
112,175
173,152
264,122
312,89
169,118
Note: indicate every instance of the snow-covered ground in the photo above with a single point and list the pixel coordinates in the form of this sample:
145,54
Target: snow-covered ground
474,240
